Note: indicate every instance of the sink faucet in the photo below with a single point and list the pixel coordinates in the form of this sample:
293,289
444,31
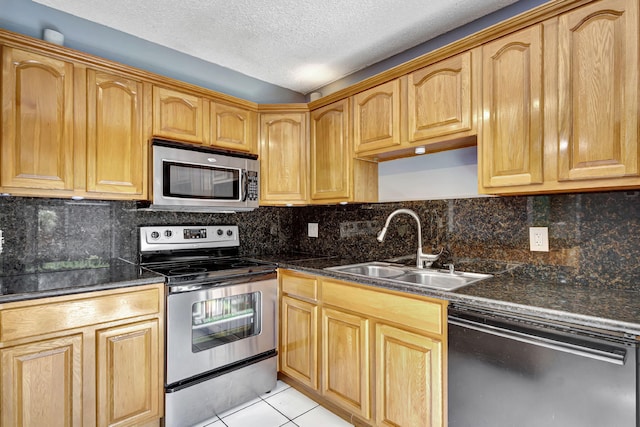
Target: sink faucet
421,257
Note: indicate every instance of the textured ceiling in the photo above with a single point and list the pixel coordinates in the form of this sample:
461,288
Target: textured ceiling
297,44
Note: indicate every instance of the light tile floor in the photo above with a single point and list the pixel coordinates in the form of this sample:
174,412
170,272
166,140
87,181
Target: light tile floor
284,406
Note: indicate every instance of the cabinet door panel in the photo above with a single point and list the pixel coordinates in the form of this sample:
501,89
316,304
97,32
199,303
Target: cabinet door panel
376,117
42,383
299,342
37,125
116,148
128,374
330,152
283,158
598,91
178,115
409,379
439,98
512,139
345,360
233,128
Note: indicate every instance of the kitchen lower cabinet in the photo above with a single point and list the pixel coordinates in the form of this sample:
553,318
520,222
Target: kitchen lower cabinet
409,380
92,359
382,353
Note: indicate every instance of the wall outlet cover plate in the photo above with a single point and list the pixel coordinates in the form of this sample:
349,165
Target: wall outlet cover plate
539,239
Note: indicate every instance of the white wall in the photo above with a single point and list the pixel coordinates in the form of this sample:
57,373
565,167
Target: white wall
446,175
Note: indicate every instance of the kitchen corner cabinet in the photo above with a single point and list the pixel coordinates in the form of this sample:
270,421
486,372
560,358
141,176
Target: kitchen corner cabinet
511,144
37,122
233,128
369,339
442,99
116,134
91,359
284,158
335,175
179,115
376,118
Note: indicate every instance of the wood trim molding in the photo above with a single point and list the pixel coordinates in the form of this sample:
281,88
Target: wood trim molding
518,22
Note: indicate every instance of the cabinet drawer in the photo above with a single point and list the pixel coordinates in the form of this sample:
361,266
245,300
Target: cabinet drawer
299,285
60,313
413,312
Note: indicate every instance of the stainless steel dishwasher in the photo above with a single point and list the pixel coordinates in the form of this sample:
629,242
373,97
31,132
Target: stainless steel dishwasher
518,371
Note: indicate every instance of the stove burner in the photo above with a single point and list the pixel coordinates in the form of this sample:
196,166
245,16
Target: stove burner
187,270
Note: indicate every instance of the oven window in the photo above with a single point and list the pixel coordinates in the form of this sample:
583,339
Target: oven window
223,320
200,182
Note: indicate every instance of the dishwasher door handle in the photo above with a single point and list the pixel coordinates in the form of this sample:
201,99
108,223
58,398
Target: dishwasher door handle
607,353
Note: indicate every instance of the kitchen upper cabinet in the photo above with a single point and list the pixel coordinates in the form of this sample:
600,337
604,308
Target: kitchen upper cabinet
179,115
116,135
376,118
331,154
403,399
299,327
37,123
442,99
511,145
284,159
345,360
233,128
598,92
92,359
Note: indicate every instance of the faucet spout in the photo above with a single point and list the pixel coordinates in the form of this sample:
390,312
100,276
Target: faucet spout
421,257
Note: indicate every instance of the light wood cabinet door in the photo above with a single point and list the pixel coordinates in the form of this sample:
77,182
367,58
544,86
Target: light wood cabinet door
511,146
376,117
128,386
42,383
440,100
234,128
116,143
284,158
345,360
409,379
178,115
37,122
330,153
299,341
598,91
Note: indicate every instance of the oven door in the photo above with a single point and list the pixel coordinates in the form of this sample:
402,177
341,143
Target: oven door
209,328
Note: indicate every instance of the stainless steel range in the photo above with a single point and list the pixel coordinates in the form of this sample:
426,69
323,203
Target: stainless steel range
220,320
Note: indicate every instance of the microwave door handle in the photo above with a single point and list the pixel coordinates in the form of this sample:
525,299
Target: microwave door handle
245,185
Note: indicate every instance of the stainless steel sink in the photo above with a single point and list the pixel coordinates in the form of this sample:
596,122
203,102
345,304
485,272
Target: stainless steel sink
436,279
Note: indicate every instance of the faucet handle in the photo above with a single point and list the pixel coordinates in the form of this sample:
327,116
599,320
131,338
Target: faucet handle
452,268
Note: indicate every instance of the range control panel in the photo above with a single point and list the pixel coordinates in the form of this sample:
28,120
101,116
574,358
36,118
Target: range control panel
163,237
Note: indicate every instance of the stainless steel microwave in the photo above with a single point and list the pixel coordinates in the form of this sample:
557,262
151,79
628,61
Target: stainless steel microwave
194,178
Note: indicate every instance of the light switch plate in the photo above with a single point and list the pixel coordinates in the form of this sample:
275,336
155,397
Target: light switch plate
312,229
539,239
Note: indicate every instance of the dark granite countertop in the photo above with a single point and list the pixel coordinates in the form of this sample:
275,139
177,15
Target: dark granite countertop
103,275
512,289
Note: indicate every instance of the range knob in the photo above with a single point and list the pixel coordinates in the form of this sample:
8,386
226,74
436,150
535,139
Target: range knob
168,233
219,232
155,235
229,233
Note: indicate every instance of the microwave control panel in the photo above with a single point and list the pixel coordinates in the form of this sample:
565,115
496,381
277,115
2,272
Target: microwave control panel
252,185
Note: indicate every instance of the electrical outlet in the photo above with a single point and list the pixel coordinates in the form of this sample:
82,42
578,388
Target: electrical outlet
539,239
312,229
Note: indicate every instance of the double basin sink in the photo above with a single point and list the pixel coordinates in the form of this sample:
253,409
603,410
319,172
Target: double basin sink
430,278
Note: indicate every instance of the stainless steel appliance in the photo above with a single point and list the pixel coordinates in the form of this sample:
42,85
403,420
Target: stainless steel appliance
221,320
507,371
203,179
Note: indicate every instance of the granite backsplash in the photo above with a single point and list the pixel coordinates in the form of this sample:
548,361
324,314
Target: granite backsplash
593,237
